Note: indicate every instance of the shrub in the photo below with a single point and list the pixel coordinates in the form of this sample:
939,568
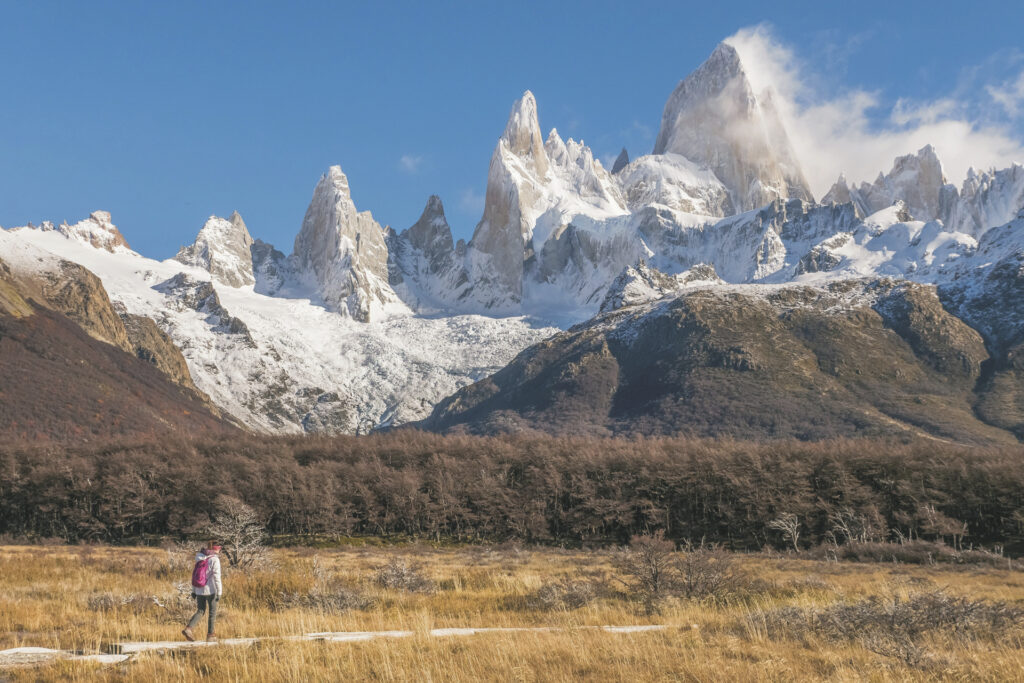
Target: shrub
400,574
174,605
651,567
565,594
709,571
332,600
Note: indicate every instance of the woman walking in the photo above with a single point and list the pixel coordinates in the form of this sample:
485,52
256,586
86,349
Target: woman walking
207,587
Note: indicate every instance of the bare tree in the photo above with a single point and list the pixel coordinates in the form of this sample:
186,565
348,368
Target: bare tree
854,527
789,524
650,563
240,530
935,522
707,571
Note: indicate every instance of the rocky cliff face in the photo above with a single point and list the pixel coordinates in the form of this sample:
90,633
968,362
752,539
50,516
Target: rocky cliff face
151,344
45,280
621,161
676,182
78,294
431,236
641,284
714,118
71,290
497,251
986,199
426,268
201,296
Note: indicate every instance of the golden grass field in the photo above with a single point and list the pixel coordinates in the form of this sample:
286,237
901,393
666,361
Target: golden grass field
70,598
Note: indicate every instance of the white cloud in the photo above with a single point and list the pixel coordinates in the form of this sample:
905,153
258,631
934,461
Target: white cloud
410,163
471,202
1009,96
640,130
833,135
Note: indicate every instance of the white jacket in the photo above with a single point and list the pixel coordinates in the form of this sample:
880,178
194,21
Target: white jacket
213,583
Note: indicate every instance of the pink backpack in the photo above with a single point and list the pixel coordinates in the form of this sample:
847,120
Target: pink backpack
199,573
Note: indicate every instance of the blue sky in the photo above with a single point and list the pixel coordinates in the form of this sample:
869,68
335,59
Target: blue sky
165,113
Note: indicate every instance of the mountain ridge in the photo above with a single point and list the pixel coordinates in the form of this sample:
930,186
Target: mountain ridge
364,327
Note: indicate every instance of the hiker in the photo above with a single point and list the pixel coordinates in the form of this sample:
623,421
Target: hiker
207,587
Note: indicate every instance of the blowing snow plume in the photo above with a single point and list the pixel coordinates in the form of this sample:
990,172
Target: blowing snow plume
834,135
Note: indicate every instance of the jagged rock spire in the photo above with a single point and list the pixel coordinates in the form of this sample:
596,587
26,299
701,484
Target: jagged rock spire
714,118
621,161
432,235
522,132
223,249
342,250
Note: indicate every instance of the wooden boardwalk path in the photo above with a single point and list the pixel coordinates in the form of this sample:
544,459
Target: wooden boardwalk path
115,653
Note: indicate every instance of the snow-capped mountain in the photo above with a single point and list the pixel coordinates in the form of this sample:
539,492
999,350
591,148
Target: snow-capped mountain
714,118
533,188
363,326
224,248
342,252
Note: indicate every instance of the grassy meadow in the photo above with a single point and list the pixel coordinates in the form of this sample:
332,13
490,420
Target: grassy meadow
758,617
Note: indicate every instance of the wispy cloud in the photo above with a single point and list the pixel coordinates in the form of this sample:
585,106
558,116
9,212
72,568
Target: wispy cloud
844,134
410,163
471,202
641,131
1009,96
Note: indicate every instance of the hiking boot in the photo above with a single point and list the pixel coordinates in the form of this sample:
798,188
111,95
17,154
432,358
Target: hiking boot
211,638
189,636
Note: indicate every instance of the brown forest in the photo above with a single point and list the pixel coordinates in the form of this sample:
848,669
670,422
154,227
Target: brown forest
569,491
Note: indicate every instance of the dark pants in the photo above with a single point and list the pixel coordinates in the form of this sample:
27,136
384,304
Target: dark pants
204,602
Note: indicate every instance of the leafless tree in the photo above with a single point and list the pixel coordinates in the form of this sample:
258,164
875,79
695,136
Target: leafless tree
935,522
650,563
707,571
240,530
854,527
789,524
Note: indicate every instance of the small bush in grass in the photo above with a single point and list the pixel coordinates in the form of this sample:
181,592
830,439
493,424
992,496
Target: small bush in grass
327,594
332,600
173,605
400,574
655,571
709,571
565,594
178,562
